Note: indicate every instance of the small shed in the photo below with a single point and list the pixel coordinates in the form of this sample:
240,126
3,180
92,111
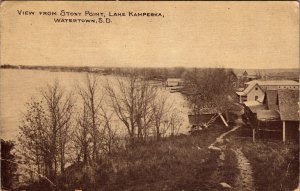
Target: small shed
204,117
267,120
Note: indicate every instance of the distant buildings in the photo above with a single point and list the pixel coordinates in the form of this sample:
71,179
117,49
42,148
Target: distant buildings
275,84
172,82
255,90
248,76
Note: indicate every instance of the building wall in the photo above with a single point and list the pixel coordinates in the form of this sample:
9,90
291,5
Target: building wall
289,87
273,87
173,82
256,91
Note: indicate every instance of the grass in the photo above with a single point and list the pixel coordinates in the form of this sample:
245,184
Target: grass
229,169
176,163
275,164
182,162
185,163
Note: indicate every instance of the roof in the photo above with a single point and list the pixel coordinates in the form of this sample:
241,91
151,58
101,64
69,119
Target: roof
271,99
249,73
206,111
288,105
268,115
274,82
254,106
199,118
174,79
240,93
240,89
250,87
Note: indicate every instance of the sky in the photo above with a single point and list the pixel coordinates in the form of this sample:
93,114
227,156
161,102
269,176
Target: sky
190,34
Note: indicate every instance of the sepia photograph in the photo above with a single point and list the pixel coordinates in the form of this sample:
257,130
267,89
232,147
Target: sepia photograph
149,95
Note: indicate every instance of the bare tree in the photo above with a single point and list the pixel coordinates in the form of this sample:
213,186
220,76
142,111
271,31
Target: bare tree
160,108
45,130
81,137
59,107
110,134
131,99
91,96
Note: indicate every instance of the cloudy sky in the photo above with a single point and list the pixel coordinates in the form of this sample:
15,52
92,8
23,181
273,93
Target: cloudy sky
191,34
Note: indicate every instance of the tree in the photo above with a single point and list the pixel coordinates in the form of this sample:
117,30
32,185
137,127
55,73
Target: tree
90,122
131,99
46,129
82,137
8,164
208,90
110,142
161,108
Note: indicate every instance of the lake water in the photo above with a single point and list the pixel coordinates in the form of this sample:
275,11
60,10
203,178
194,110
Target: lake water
18,86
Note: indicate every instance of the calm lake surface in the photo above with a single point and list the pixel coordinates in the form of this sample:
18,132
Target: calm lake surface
18,86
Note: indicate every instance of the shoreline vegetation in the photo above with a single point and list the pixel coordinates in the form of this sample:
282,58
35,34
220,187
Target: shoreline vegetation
153,73
69,145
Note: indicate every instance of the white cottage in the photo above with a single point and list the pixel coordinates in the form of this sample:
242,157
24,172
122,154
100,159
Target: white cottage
252,93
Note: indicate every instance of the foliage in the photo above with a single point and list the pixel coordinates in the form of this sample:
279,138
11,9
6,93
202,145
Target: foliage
209,90
8,165
45,132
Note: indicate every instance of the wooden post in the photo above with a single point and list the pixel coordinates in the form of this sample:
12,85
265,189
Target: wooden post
283,131
253,135
240,99
225,123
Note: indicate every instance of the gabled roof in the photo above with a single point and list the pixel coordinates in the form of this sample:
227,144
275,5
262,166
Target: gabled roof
268,115
250,87
271,99
255,106
274,82
240,93
288,105
249,73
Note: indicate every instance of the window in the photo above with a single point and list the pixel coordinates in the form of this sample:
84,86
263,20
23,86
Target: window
256,97
256,88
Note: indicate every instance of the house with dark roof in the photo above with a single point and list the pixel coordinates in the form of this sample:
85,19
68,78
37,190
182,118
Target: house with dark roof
281,110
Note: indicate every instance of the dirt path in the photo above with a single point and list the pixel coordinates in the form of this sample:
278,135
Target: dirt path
245,180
